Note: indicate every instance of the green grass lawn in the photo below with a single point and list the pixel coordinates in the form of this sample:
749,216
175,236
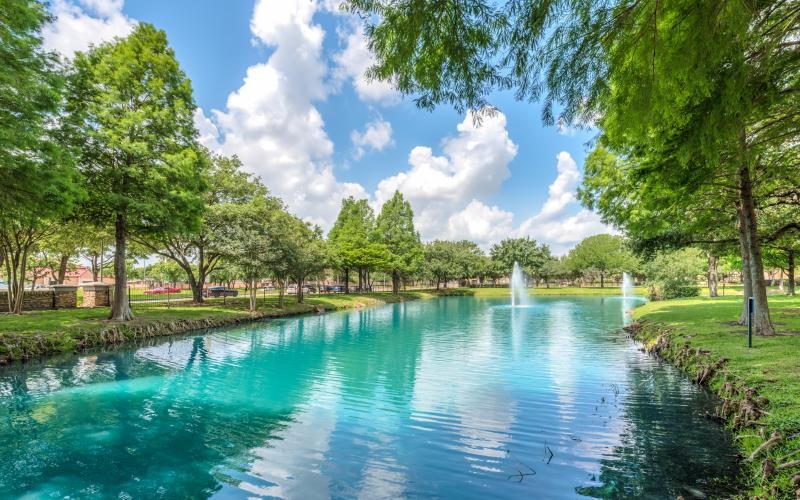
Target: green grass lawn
771,367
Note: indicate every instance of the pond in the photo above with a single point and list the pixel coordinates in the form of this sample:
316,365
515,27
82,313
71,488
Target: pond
454,398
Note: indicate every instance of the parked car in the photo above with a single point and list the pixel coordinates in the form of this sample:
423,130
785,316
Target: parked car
221,291
334,288
3,285
162,290
291,289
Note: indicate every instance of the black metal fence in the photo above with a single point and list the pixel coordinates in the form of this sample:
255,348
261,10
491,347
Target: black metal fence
162,296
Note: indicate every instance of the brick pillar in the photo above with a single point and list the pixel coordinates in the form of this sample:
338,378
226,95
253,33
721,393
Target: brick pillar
65,296
96,295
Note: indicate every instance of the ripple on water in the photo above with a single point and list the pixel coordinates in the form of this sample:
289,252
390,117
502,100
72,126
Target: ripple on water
456,397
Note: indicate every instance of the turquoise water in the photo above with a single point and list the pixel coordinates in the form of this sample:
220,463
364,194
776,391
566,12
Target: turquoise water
450,398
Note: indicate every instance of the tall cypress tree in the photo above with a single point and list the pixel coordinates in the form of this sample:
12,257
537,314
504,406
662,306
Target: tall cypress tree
394,227
139,154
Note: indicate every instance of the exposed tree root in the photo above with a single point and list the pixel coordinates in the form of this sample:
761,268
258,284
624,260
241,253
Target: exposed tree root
765,446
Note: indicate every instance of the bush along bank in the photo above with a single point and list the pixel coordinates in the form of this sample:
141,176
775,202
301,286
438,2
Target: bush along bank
769,443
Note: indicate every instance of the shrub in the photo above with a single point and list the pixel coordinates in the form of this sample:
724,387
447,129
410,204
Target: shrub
673,275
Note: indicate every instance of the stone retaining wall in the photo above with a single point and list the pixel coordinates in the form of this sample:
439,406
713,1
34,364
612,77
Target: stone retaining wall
56,297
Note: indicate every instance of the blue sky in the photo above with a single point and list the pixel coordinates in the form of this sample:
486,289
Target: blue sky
280,83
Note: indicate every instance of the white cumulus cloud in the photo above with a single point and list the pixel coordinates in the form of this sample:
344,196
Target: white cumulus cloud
376,137
560,223
272,122
474,165
352,63
556,223
78,24
480,223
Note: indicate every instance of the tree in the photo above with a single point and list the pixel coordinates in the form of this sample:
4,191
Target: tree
352,243
553,268
197,252
38,185
63,245
529,254
134,106
248,236
466,259
394,228
165,271
440,261
95,247
488,268
306,255
602,253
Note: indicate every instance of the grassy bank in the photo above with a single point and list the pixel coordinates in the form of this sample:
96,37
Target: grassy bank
39,333
544,291
759,387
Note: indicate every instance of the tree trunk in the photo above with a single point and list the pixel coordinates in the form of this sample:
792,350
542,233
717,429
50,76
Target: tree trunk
200,282
438,282
62,269
745,253
95,266
712,274
790,272
197,290
120,309
761,320
347,281
396,282
300,291
16,260
602,280
253,294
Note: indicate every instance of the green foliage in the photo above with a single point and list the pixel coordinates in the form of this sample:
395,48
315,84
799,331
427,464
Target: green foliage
197,250
36,170
445,260
165,271
353,242
394,227
38,182
138,153
247,236
676,274
530,255
603,254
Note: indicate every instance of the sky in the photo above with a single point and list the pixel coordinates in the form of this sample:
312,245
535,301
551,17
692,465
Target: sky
281,84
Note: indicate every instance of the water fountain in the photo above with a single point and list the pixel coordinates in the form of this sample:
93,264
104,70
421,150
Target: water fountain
519,287
627,292
627,285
